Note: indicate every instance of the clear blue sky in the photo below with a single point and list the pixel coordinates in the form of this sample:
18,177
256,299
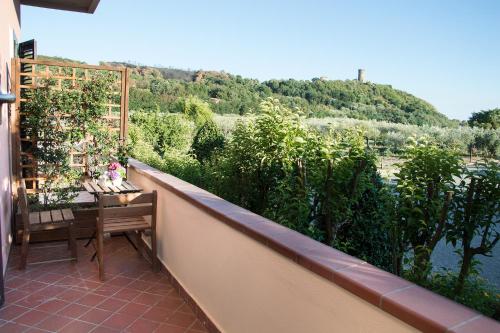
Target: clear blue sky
445,51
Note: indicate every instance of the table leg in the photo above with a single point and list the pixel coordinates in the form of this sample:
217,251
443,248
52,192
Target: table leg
90,240
129,240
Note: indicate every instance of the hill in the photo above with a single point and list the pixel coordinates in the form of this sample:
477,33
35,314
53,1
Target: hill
159,88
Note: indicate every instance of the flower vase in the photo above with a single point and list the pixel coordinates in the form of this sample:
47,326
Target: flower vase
102,181
117,181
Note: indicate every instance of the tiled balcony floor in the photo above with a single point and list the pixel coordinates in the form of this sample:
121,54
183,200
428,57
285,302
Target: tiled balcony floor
68,297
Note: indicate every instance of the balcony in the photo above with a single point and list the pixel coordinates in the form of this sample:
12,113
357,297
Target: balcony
225,269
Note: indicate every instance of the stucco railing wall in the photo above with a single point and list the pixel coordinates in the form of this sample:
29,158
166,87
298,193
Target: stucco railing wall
249,274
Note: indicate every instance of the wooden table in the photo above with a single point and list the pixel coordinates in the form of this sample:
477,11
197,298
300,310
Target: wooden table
95,189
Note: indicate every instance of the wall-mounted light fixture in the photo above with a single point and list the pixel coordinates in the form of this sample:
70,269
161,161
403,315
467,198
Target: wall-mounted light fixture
6,99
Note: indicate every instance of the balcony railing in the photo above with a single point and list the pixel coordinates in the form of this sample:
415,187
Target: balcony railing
248,274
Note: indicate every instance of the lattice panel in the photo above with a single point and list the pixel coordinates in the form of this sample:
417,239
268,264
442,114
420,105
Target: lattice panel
29,74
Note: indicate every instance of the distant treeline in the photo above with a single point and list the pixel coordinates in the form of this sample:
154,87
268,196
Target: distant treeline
159,89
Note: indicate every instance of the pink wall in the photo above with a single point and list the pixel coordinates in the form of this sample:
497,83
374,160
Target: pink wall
9,27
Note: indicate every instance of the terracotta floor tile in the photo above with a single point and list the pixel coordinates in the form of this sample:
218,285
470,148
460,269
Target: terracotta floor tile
77,327
112,304
107,290
120,281
13,328
119,321
96,316
74,310
31,318
134,309
160,289
127,294
14,296
15,282
32,300
104,329
171,303
167,328
69,281
71,295
52,306
181,319
142,326
50,277
9,312
139,285
157,314
151,277
54,323
197,326
132,274
89,285
91,300
35,330
148,299
51,291
185,309
33,286
92,277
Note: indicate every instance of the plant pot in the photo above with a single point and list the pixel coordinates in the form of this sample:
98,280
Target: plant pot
117,182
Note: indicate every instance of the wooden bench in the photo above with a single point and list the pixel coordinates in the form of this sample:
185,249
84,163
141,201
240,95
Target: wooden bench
42,221
51,219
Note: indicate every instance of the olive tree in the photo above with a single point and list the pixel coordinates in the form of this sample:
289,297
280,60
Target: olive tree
476,221
424,189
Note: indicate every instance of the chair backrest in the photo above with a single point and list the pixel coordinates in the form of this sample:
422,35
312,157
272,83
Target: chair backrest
137,204
24,205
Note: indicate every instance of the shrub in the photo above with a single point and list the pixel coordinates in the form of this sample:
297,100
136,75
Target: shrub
195,109
207,141
164,131
477,292
368,237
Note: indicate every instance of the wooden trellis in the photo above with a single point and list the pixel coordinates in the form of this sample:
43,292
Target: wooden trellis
28,74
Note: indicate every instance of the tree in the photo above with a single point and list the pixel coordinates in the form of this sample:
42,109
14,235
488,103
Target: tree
489,119
424,190
476,210
324,186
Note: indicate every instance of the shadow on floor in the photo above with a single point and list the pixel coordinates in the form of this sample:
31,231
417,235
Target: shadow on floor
65,296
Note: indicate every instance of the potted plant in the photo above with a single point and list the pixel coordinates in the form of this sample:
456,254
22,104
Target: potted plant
113,176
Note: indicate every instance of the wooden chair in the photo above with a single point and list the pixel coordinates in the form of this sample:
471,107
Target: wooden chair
123,213
42,221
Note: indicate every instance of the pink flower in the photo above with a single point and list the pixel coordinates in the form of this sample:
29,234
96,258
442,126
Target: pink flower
114,166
